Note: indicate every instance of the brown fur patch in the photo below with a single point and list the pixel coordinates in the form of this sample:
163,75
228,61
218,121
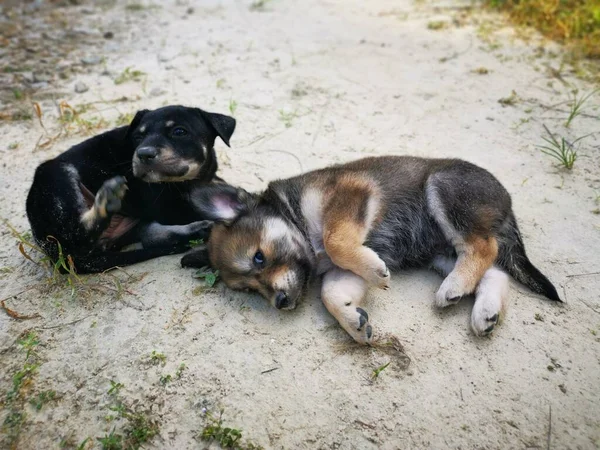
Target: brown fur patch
479,255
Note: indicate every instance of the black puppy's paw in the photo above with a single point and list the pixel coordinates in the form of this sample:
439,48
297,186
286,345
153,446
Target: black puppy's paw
108,198
196,258
200,229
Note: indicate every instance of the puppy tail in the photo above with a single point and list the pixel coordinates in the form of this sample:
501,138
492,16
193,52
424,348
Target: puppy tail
513,259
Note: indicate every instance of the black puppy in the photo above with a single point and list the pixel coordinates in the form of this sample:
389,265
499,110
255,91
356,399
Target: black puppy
132,184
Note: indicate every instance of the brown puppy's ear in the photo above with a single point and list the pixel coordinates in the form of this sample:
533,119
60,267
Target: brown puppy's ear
221,202
223,125
198,257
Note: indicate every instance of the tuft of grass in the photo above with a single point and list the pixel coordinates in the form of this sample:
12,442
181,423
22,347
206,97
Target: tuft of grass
137,429
511,100
378,370
563,150
124,119
232,106
572,22
180,370
481,71
129,74
576,105
287,117
42,399
259,5
210,277
165,379
195,242
73,121
437,25
14,402
158,358
115,388
226,437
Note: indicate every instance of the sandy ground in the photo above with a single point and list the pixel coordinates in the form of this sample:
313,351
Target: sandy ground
315,82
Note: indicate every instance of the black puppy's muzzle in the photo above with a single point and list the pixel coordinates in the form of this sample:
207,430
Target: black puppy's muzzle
146,154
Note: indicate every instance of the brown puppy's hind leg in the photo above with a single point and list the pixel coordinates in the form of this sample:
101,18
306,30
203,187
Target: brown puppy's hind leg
342,294
476,254
347,220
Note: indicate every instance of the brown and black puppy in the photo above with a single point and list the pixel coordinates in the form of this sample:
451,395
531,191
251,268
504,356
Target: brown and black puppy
353,222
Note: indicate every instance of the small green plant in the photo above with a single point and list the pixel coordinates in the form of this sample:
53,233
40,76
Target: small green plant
111,441
232,106
210,277
221,83
180,370
378,370
259,5
437,25
124,119
562,150
138,428
14,402
165,379
115,388
195,242
287,117
13,145
226,437
158,358
511,100
42,399
576,104
129,74
18,94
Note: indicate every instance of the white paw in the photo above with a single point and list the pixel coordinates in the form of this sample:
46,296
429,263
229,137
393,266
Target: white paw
486,313
450,292
379,275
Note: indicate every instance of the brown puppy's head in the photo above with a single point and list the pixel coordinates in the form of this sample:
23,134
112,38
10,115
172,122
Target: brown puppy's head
254,247
176,143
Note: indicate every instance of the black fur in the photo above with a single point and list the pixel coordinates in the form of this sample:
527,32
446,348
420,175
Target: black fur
134,183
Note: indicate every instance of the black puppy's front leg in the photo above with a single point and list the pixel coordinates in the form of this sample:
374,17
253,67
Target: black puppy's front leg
198,257
155,235
106,203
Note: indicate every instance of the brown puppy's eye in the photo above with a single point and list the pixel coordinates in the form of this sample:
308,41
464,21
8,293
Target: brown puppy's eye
259,259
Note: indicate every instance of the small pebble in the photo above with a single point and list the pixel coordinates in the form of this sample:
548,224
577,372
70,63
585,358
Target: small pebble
91,60
157,91
81,87
109,35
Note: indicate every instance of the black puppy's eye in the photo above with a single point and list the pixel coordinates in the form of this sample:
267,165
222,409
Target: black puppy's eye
179,131
259,258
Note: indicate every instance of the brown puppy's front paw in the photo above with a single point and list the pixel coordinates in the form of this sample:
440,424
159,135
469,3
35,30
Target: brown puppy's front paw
357,325
109,196
379,276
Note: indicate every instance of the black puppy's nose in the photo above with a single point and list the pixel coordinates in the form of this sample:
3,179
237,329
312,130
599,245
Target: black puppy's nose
281,300
146,153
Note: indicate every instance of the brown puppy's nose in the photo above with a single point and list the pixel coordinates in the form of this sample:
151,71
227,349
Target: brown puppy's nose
281,300
146,153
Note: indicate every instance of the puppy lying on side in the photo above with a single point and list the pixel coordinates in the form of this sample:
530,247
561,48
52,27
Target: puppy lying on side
128,185
352,222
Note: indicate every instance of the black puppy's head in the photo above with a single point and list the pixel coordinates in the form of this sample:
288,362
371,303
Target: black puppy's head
176,143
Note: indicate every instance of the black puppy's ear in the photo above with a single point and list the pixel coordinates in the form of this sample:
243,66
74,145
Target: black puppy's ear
222,124
221,202
136,120
198,257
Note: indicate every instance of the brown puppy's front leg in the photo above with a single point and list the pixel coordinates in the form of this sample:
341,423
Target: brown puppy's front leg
347,220
342,293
